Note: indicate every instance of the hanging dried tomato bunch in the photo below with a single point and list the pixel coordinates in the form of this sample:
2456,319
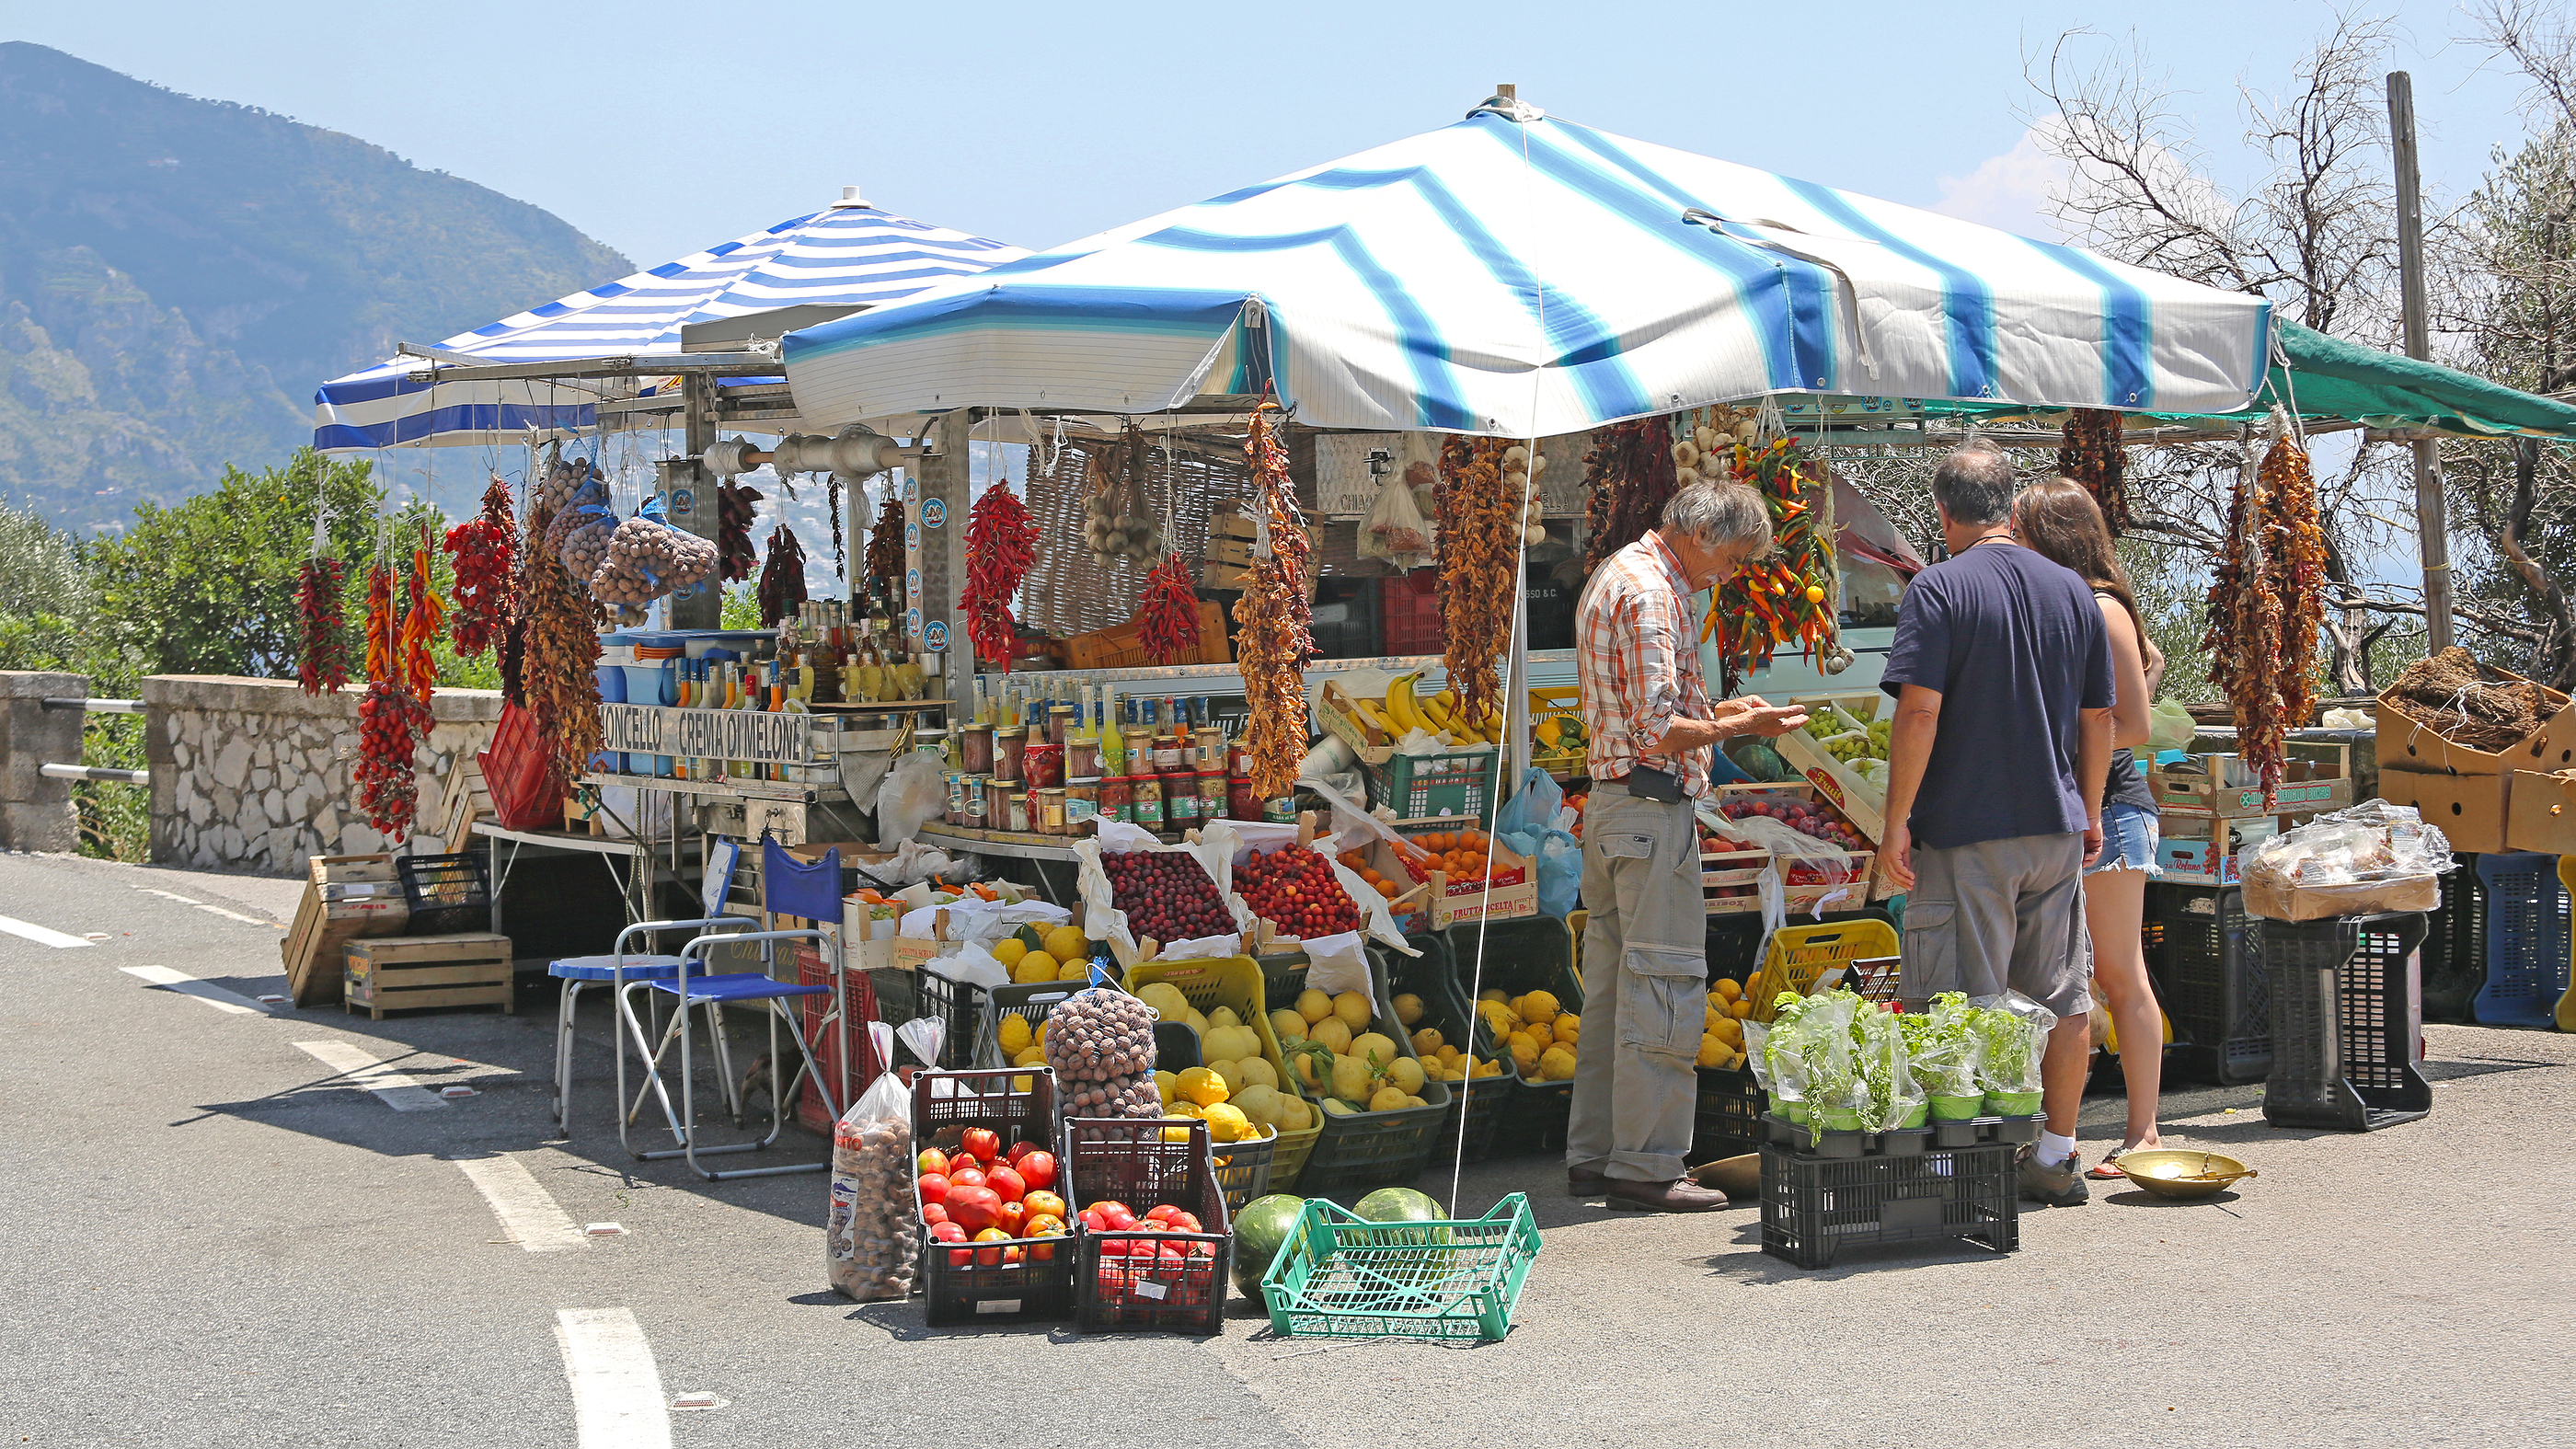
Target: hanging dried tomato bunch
1480,540
1626,479
1001,544
2094,456
1167,615
1274,643
483,547
392,721
322,664
885,545
782,578
2266,604
734,553
840,551
2294,567
551,668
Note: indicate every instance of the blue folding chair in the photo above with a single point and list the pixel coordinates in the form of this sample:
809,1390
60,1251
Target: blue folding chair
614,970
715,992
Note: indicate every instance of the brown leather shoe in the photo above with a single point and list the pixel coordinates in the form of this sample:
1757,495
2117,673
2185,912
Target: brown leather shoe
1681,1195
1580,1182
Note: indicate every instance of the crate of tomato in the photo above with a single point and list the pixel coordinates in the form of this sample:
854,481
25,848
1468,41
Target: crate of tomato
995,1237
1153,1241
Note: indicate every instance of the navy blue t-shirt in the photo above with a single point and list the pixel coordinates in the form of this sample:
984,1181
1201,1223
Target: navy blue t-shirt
2016,647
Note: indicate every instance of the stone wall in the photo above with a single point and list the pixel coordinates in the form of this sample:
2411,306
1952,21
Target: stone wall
255,775
36,813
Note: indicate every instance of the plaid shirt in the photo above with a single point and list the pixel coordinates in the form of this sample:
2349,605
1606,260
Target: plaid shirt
1636,656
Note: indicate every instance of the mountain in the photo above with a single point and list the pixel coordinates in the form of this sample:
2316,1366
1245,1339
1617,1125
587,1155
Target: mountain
177,274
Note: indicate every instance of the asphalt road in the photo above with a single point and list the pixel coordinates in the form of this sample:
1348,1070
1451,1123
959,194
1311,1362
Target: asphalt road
219,1237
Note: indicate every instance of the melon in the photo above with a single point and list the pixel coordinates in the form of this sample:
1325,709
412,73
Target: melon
1264,1224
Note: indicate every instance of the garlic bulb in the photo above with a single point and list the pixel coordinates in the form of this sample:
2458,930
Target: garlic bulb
1746,431
1537,464
1515,458
1706,437
1685,453
1684,477
1534,535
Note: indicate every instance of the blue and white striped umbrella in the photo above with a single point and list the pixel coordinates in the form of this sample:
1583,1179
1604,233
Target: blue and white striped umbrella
844,255
1529,277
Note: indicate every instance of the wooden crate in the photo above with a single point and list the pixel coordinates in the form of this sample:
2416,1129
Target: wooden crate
404,973
467,801
1121,647
345,897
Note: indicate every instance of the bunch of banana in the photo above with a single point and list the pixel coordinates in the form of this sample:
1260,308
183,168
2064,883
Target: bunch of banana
1401,713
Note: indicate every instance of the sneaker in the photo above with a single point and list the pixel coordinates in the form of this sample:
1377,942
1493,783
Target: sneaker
2052,1184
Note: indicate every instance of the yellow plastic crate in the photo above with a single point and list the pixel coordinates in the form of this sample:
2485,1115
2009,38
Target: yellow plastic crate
1799,954
1234,982
1564,700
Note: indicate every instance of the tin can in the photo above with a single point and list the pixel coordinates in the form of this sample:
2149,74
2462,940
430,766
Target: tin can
1282,811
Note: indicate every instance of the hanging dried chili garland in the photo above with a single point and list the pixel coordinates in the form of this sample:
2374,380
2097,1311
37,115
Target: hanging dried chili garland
1627,477
734,553
840,552
1788,594
2267,604
1001,544
885,545
556,640
392,721
322,661
1479,517
483,547
1167,616
1274,642
2094,456
782,578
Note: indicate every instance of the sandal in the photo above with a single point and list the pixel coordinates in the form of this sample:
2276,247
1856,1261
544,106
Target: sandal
2107,1170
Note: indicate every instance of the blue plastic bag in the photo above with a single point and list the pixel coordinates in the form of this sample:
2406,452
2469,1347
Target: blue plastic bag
1533,808
1526,824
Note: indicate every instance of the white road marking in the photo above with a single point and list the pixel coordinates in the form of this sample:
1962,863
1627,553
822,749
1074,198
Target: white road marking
395,1089
527,1211
616,1389
42,936
187,985
210,909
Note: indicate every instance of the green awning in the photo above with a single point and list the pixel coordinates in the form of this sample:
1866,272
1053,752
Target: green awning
2328,377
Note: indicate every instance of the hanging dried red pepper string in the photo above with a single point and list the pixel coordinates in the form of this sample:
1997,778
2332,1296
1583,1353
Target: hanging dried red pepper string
2094,455
391,719
322,662
1274,643
483,547
1167,616
1001,545
782,578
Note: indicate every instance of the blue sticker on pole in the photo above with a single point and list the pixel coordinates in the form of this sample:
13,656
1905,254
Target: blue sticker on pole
912,583
934,512
912,537
934,636
912,490
912,622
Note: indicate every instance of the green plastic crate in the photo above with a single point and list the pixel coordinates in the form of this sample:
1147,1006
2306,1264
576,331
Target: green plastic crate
1341,1276
1448,788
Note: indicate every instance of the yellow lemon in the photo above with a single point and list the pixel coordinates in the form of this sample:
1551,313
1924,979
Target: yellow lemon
1712,1052
1033,966
1743,1008
1556,1064
1074,971
1388,1099
1009,950
1537,1006
1013,1033
1426,1042
1569,1027
1226,1122
1408,1008
1314,1005
1167,1086
1201,1086
1066,943
1354,1009
1729,988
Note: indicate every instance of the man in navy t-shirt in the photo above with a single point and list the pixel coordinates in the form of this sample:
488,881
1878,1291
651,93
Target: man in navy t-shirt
2002,675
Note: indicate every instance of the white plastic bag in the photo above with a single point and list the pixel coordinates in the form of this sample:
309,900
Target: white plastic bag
871,1230
1396,529
1339,963
914,793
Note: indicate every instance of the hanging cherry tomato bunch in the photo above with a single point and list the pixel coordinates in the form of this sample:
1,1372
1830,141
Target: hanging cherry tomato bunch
483,547
1167,617
1001,545
322,664
1786,596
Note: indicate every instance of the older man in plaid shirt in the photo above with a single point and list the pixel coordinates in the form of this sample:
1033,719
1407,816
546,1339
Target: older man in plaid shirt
1645,958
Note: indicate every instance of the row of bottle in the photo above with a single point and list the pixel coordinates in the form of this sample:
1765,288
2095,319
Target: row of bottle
1095,714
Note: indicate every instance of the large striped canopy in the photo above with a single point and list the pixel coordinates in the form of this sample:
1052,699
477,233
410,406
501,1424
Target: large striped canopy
848,254
1518,275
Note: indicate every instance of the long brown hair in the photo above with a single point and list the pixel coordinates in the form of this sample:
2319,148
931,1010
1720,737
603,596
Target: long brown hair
2058,520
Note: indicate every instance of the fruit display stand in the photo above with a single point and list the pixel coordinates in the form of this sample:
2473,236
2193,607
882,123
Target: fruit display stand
1477,1106
1341,1276
1730,876
2345,1022
1175,1281
1249,1169
981,1283
1521,957
1357,1151
963,1012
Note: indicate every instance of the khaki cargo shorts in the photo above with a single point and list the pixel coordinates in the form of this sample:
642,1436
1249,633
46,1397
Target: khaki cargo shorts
1997,914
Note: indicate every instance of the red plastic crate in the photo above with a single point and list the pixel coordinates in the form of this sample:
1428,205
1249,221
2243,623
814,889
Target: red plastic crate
1408,611
824,1036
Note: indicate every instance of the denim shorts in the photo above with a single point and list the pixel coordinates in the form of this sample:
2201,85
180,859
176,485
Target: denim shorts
2129,839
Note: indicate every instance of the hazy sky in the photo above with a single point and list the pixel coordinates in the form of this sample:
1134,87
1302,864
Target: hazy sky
662,128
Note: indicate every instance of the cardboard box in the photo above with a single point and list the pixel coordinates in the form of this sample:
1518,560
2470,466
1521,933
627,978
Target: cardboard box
2540,813
2406,743
2205,795
2196,862
2470,810
2274,901
1514,893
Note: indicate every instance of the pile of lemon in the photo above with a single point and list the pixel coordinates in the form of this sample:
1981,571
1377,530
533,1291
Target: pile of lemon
1064,956
1442,1061
1721,1039
1539,1034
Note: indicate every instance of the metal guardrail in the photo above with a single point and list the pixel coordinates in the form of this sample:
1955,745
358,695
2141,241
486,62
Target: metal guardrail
100,773
95,706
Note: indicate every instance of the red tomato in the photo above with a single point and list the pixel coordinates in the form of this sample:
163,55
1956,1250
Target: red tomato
1014,1216
1093,1220
934,1213
968,1177
1018,1151
1185,1222
1011,1255
975,1209
933,1160
989,1257
962,1161
1037,1169
1118,1217
984,1142
1160,1213
934,1188
951,1233
1007,1183
1043,1204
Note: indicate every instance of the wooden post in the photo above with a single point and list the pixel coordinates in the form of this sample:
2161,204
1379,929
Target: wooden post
2432,522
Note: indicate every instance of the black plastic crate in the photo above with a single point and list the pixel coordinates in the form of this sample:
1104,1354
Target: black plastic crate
1728,1119
1116,1286
2212,984
961,1007
446,893
2454,954
959,1288
1359,1153
1815,1208
1479,1101
2343,1023
2525,909
1734,946
1522,955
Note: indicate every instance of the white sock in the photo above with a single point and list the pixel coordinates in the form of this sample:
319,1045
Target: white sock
2054,1149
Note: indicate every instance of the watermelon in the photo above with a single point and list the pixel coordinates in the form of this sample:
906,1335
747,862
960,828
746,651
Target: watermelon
1399,1205
1259,1229
1404,1205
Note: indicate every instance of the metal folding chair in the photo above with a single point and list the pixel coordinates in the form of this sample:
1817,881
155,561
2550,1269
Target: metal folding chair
715,992
614,970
